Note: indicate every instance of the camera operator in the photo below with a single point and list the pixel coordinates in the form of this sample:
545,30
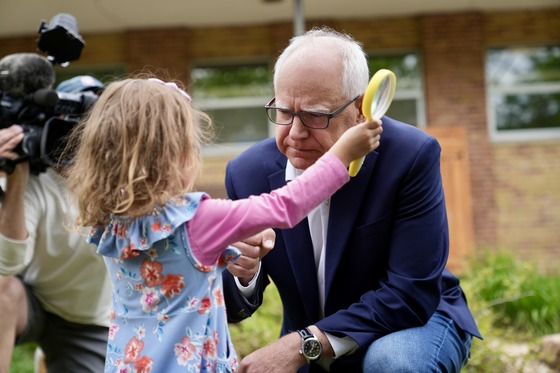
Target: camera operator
54,289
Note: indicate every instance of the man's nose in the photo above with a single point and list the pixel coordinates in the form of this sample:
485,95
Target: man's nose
297,129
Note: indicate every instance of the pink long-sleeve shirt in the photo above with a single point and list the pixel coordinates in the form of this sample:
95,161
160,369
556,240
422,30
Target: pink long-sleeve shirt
219,222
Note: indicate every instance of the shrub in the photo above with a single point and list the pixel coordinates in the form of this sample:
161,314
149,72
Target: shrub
518,295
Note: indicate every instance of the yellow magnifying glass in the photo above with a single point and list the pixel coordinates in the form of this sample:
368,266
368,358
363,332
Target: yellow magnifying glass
377,99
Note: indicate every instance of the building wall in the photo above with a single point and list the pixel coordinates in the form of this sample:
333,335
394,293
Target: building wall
526,192
527,198
515,186
453,52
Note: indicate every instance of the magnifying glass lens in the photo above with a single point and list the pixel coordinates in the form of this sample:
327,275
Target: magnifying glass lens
377,99
382,99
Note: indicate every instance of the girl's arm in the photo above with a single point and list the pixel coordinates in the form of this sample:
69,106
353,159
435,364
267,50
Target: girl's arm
220,222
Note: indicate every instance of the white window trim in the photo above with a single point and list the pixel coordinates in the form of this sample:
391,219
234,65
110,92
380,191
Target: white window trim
418,97
521,135
232,103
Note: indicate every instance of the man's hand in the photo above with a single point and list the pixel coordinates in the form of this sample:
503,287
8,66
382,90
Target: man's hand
281,356
253,250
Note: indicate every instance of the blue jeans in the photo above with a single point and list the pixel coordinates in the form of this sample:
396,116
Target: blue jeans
438,346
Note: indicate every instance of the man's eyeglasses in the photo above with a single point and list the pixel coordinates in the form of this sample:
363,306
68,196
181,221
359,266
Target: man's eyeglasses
310,119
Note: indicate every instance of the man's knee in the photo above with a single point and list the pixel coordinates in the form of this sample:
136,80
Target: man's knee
395,355
434,347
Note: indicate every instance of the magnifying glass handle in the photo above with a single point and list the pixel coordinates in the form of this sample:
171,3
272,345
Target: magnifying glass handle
355,166
381,88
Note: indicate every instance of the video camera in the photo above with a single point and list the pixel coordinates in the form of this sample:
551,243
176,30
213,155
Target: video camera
47,117
26,97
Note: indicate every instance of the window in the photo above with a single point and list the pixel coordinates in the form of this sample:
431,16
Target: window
523,93
408,103
234,95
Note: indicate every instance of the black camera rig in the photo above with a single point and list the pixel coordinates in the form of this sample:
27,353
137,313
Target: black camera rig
47,117
26,97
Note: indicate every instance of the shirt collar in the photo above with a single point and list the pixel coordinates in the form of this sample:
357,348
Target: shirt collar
292,172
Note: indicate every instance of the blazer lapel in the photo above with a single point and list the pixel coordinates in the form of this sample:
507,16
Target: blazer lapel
345,205
299,250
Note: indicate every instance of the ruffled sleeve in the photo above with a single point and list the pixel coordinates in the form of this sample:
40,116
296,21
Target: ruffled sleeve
125,237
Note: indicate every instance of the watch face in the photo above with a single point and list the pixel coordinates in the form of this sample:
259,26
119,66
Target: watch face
312,348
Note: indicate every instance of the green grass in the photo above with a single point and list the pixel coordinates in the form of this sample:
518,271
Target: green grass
22,360
511,302
261,328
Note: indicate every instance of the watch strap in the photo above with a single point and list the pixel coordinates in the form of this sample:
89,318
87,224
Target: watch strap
305,333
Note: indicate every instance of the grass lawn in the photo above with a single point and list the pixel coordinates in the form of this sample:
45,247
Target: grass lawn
511,302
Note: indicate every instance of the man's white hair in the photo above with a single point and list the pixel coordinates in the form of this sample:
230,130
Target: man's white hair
355,71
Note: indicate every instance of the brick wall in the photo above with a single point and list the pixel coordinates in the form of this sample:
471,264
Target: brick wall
153,50
527,197
453,52
526,192
515,186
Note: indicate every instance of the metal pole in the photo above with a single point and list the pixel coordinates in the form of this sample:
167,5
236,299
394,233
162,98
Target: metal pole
299,22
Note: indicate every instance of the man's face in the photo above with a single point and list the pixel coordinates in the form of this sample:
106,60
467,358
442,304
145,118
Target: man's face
312,83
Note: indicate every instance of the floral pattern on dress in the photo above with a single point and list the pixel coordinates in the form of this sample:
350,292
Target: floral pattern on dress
168,308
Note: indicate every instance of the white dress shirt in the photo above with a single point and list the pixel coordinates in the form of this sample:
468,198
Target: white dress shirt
318,220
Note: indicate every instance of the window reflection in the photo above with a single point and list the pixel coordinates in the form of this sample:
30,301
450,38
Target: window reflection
234,96
524,90
408,103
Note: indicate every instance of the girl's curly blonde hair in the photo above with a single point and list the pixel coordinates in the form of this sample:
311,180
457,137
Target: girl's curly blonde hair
138,147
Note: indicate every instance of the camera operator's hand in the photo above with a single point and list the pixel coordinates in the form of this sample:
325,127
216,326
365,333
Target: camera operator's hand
9,138
12,218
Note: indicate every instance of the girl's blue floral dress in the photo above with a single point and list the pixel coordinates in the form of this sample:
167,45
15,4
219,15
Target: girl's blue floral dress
168,308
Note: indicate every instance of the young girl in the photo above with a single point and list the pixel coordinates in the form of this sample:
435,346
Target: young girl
136,159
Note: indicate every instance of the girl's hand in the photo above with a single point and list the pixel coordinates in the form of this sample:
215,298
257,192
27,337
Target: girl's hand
358,141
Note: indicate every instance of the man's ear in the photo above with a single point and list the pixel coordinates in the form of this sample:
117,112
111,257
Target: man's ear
360,118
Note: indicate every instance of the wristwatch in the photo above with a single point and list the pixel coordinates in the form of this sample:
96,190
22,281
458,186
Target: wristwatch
311,347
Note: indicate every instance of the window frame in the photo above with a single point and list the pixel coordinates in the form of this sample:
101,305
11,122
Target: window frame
524,134
407,93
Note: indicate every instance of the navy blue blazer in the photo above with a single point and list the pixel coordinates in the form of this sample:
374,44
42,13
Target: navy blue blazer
387,245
